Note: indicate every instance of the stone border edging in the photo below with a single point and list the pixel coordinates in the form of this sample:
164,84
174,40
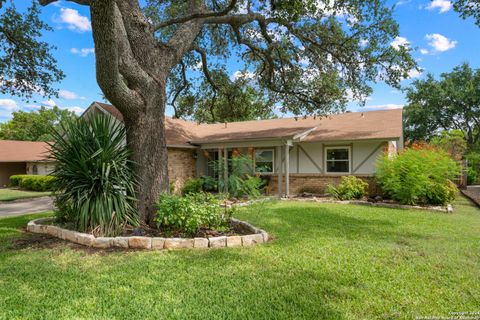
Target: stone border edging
447,209
152,243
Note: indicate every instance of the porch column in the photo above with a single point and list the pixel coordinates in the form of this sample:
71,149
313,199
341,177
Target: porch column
220,153
278,157
287,170
225,169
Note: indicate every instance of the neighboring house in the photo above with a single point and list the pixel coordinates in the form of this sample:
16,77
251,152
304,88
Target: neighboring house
23,157
295,154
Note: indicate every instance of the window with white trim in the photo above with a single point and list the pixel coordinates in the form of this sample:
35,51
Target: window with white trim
337,159
264,161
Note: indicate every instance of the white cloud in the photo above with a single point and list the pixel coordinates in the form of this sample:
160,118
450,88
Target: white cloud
77,110
49,103
363,42
423,51
443,5
82,52
388,106
69,95
414,74
242,74
74,20
440,43
8,104
399,41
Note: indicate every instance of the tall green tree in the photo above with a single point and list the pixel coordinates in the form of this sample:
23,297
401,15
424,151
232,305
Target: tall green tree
309,55
26,63
468,8
451,102
231,100
35,125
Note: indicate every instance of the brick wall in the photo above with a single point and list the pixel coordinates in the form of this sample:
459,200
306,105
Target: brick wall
181,166
315,183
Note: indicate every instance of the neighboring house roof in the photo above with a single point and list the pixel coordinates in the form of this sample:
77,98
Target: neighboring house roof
24,151
383,124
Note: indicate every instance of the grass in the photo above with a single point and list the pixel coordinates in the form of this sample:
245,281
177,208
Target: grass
327,261
15,194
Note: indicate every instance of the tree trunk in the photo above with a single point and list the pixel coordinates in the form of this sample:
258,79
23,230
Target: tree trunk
146,140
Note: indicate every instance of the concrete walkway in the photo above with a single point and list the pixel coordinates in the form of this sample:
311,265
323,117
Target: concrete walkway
473,192
25,206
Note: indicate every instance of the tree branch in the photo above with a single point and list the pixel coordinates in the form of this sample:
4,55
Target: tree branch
197,15
81,2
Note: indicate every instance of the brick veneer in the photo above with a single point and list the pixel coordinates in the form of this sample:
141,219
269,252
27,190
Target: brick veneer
181,166
315,183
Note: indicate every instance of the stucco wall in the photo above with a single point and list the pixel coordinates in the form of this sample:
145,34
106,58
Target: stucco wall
8,169
43,168
309,157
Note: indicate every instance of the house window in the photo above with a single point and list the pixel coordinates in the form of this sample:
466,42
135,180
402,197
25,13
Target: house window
264,162
34,169
337,159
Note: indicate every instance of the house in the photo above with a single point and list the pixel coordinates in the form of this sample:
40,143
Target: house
295,154
23,157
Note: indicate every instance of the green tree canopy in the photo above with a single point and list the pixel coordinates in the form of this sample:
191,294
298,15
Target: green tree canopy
231,100
26,63
468,8
35,125
452,102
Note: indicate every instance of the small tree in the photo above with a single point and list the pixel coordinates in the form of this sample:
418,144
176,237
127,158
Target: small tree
453,142
94,180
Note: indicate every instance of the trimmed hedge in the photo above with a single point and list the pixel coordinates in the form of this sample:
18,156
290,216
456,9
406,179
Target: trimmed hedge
32,182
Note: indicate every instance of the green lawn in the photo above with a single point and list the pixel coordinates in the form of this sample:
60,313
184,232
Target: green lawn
15,194
327,261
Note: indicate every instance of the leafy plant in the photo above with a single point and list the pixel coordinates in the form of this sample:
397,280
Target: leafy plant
191,212
418,176
241,176
349,188
32,182
192,185
93,174
209,183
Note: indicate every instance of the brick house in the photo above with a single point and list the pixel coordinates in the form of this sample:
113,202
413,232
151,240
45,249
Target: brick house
295,155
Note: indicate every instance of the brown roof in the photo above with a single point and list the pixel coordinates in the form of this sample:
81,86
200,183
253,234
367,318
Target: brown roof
23,151
383,124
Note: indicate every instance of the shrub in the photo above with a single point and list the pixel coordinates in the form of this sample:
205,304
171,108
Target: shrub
15,180
192,186
418,176
94,181
349,188
33,182
240,173
191,212
209,183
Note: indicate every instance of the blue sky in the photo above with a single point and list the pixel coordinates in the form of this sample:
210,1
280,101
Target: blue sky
441,41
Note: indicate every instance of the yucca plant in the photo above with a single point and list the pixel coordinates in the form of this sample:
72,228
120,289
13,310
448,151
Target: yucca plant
94,181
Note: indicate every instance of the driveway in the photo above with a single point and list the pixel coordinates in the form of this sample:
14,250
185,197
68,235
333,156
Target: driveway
25,206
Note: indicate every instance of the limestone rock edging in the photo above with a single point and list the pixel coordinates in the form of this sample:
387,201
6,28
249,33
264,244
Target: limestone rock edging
256,236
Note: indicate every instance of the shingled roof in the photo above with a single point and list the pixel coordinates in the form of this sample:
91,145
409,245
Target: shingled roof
383,124
23,151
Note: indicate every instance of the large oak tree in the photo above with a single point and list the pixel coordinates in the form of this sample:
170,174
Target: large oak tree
307,56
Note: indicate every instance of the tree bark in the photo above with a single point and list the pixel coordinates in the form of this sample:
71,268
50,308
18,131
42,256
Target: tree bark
146,140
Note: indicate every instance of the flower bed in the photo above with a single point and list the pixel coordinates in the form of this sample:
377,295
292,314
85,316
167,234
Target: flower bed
255,236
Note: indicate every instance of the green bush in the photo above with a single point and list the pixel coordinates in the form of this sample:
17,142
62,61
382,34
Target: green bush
94,181
191,212
349,188
192,186
241,177
418,176
209,183
15,180
33,182
472,175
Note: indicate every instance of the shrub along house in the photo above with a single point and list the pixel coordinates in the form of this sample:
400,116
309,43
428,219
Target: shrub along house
23,157
295,154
